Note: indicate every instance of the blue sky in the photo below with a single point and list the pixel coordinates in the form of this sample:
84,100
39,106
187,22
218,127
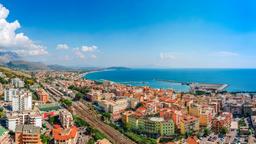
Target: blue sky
134,33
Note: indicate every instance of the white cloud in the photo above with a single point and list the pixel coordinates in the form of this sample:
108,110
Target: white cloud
4,12
62,47
167,56
79,54
16,42
89,48
226,54
93,56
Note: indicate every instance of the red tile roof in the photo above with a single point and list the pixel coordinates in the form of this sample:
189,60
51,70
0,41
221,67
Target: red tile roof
64,134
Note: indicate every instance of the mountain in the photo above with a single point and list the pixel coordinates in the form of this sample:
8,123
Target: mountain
8,56
26,65
118,68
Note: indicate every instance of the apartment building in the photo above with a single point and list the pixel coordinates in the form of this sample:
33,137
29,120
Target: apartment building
14,119
27,134
22,101
66,118
43,95
222,121
189,124
18,83
9,93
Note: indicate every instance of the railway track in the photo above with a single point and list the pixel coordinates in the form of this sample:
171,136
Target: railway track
112,134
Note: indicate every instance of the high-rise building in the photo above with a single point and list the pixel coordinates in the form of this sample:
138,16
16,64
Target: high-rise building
18,83
22,101
13,119
9,93
27,134
66,118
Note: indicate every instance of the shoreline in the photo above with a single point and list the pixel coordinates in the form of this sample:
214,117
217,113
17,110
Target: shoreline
129,83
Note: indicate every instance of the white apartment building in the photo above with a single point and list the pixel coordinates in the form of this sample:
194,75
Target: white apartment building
9,93
114,106
119,105
18,83
22,101
66,118
13,119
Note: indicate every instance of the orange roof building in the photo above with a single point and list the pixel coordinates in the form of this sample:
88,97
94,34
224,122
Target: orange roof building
68,135
192,140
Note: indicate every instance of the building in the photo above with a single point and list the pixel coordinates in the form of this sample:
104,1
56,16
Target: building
18,83
27,134
43,95
114,107
1,89
151,125
195,110
222,121
14,119
103,141
66,118
205,118
189,124
9,93
4,136
65,136
22,101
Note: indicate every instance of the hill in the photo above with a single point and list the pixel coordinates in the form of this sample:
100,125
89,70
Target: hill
13,73
26,65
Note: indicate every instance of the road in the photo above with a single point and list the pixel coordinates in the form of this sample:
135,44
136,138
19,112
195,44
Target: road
91,117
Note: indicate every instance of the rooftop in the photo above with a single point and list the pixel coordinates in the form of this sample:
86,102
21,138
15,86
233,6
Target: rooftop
28,129
2,131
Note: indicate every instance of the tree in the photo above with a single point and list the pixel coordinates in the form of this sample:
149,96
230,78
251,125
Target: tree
223,130
66,102
45,139
78,96
207,132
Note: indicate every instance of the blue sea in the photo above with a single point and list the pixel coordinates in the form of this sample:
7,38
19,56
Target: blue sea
237,79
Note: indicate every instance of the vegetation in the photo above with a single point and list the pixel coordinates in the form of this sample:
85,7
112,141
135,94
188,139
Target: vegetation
200,92
3,81
140,139
241,122
78,96
45,139
29,81
66,102
2,113
223,131
12,73
80,122
91,141
83,90
53,120
96,134
207,132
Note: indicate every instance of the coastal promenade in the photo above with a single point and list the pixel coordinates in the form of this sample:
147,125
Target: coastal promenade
91,117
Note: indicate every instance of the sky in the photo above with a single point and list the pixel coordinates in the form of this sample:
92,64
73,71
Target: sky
132,33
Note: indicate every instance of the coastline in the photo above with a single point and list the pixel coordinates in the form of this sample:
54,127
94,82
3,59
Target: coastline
160,83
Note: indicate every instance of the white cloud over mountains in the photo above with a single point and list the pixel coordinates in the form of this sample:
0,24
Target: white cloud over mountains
16,42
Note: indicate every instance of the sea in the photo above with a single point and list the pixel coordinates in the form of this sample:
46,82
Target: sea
238,80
